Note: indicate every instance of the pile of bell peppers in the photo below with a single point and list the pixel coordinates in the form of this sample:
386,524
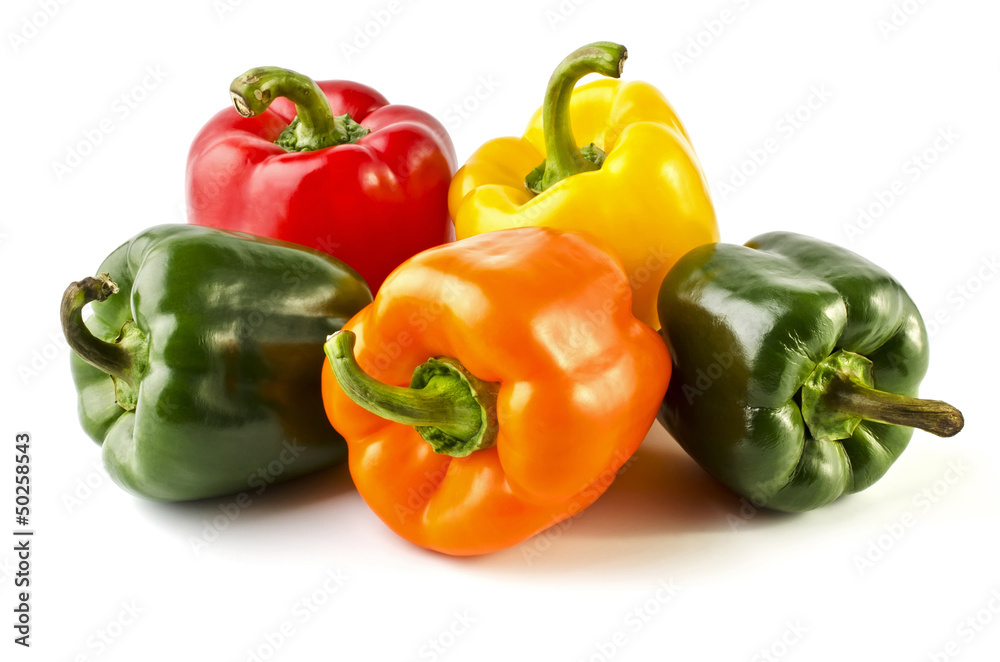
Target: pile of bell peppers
533,314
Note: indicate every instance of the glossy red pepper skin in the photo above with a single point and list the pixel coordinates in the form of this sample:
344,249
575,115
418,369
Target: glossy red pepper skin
373,203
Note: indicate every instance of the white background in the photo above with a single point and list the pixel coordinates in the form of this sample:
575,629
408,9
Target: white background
891,573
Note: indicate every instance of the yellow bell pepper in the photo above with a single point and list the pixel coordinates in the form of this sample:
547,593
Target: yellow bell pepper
636,183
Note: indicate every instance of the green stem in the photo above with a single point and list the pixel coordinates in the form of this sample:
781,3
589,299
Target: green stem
451,409
934,416
314,126
111,358
562,156
840,393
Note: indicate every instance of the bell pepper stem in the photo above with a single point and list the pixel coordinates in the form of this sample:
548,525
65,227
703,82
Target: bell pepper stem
840,393
934,416
315,125
563,158
451,409
111,358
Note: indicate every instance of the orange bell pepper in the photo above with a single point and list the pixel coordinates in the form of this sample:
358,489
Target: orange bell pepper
544,386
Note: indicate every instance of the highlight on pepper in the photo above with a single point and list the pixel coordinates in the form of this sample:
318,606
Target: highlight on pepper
610,158
194,373
482,397
496,384
824,352
331,165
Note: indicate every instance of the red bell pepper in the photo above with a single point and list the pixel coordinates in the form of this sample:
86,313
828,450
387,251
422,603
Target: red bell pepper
329,165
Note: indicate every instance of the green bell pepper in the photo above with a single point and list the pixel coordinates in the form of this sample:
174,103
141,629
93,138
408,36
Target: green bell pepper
796,366
199,370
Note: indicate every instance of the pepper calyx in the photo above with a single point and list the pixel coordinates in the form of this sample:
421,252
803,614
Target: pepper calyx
314,127
591,153
839,394
295,139
470,393
825,420
451,409
124,359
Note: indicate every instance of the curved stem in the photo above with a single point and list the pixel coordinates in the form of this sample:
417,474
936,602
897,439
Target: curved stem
314,127
934,416
562,156
111,358
451,409
840,393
